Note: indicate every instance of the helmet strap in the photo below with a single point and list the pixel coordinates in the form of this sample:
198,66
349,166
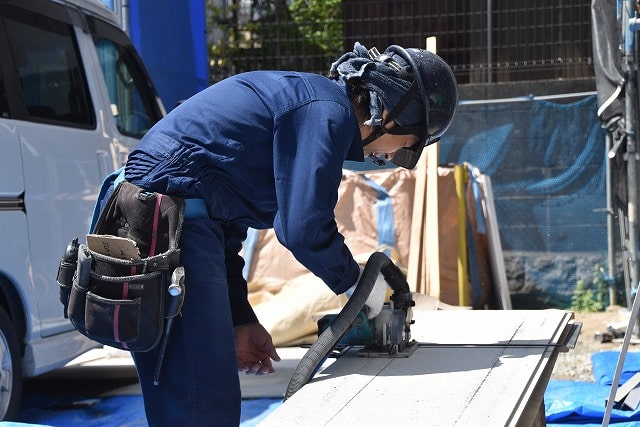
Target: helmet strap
397,109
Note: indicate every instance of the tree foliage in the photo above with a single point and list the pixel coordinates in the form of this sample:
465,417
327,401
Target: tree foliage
320,21
302,35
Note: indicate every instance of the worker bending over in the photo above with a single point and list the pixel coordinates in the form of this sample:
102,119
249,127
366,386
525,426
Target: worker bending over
265,149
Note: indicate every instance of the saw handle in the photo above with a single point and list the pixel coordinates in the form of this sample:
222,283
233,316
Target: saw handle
401,292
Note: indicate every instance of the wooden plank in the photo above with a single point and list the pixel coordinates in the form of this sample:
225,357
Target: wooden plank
414,264
431,246
430,258
488,326
479,368
496,259
460,177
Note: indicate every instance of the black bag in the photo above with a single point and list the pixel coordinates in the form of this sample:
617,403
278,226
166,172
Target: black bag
123,303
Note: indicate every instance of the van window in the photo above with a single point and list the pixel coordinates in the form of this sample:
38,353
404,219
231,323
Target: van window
52,80
133,100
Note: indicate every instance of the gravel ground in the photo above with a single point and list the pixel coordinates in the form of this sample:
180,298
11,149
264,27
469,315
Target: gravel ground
576,363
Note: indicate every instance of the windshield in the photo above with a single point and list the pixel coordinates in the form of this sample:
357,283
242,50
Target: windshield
134,103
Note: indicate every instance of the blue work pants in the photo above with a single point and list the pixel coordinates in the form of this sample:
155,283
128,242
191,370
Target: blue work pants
199,384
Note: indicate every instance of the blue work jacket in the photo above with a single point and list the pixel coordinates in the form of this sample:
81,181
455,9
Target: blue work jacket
264,149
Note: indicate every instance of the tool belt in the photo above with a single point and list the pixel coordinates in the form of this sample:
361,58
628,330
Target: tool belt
124,286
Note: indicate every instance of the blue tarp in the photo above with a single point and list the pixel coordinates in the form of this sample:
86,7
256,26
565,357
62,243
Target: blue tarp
546,162
46,410
605,362
584,403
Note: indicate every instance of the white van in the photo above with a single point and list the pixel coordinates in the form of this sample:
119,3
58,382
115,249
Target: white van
74,100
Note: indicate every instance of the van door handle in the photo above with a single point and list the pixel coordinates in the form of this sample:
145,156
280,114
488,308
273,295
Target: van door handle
101,157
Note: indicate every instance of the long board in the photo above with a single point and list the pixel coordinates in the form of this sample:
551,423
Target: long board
472,368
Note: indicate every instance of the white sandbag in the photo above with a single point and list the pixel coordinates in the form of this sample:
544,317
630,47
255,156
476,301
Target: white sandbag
288,315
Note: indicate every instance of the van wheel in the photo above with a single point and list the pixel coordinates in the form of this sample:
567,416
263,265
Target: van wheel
10,369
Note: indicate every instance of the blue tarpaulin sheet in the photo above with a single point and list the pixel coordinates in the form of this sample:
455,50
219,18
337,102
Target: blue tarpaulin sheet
604,366
584,403
43,410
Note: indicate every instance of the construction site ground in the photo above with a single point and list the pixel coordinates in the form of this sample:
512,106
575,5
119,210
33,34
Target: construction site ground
576,364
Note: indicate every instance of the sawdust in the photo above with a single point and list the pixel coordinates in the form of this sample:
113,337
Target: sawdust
576,364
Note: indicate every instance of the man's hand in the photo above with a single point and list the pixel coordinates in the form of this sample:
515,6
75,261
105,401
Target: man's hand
254,349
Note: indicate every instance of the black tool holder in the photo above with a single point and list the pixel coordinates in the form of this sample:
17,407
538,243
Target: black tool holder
123,302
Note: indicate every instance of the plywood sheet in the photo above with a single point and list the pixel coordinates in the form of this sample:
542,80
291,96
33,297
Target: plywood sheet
476,368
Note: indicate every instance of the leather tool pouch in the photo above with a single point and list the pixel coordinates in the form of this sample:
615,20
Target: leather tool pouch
120,302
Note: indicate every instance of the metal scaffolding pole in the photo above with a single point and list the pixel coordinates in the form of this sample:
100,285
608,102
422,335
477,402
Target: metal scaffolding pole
610,230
